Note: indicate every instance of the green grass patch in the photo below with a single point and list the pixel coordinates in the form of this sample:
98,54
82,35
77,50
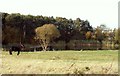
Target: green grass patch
68,55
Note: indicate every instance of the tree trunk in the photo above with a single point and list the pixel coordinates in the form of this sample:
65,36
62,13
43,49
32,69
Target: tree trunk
45,48
100,44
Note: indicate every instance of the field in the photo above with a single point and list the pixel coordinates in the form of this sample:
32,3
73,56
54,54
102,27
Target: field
61,62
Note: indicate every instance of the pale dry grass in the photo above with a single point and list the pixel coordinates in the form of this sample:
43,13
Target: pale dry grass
17,65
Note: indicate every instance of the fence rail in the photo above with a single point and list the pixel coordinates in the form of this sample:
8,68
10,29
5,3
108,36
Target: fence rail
72,45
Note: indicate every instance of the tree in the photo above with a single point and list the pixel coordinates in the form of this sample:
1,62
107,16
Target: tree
46,34
117,35
77,23
10,35
14,20
103,27
99,36
88,35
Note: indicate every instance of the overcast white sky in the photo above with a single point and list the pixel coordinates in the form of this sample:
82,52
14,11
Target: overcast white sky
95,11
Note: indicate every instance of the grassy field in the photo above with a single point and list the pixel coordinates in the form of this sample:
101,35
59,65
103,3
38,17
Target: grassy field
60,62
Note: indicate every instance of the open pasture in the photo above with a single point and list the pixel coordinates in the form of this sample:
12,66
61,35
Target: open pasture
60,62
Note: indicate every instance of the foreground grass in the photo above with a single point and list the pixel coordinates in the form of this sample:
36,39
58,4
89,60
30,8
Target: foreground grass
61,62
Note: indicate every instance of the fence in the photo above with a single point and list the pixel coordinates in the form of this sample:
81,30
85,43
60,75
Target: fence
72,45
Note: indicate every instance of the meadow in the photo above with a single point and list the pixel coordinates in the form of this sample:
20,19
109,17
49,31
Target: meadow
60,62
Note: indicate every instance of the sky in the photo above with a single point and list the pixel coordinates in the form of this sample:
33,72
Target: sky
97,12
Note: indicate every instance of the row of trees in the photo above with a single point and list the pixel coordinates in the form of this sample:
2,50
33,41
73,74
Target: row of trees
17,28
24,25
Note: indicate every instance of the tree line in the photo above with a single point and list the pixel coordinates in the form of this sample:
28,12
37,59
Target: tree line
18,28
